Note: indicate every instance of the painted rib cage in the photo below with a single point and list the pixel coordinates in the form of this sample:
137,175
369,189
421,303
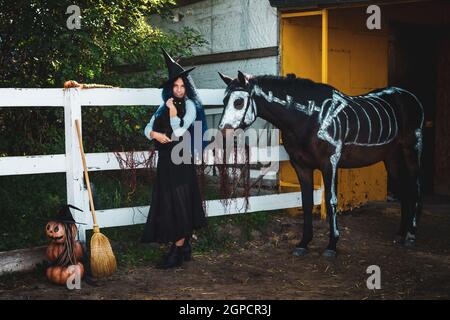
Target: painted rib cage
367,120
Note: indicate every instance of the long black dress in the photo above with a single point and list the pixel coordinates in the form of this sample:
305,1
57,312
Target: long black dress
176,207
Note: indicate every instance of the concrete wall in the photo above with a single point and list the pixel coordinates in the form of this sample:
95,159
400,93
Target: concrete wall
206,76
229,25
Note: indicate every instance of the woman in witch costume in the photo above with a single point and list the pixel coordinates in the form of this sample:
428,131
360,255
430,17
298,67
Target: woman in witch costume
176,208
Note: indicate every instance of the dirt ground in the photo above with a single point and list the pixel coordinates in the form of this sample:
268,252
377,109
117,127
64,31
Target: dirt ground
265,269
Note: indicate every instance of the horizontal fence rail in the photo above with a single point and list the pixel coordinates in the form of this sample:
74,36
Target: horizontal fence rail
72,100
18,97
102,161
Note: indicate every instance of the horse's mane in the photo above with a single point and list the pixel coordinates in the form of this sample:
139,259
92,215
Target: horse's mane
291,85
290,79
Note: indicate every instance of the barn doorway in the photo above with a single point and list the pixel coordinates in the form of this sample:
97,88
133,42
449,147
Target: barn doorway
414,64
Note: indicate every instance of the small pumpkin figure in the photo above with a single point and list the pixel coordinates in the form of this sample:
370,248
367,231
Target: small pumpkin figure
59,275
64,252
56,232
54,250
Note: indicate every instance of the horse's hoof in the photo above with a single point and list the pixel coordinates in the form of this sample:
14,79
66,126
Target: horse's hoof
409,244
410,240
329,253
299,252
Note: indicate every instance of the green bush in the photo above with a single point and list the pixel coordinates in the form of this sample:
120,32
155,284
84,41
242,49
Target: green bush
37,50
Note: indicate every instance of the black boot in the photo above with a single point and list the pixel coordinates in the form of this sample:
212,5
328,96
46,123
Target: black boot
187,250
173,259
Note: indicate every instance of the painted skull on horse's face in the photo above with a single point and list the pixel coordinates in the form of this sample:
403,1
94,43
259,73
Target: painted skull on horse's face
239,107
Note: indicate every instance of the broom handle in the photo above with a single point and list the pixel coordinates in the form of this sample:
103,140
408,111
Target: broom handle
86,176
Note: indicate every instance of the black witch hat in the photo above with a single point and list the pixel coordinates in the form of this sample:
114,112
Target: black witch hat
175,70
65,215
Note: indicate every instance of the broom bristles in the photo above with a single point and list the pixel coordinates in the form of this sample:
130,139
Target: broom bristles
103,261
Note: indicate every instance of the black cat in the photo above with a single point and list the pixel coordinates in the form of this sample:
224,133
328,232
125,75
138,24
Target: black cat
162,122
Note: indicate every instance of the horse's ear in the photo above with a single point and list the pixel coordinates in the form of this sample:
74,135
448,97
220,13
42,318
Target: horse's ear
291,76
225,78
243,79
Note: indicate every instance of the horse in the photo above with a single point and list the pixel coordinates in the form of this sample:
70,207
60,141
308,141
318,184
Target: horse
325,129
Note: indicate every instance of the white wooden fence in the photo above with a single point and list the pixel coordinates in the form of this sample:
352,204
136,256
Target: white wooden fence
72,100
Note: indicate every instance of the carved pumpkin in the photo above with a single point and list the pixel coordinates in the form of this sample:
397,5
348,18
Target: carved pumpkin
54,250
64,252
56,231
59,275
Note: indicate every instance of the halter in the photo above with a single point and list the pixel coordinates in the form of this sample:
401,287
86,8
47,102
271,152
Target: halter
250,97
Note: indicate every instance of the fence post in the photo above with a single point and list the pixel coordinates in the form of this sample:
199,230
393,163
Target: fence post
74,166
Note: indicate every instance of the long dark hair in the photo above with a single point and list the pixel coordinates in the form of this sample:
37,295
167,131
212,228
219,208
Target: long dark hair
192,94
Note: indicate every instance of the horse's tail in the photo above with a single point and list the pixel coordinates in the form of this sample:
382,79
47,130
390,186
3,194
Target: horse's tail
418,102
418,131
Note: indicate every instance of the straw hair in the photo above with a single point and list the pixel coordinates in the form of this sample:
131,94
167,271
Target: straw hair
103,261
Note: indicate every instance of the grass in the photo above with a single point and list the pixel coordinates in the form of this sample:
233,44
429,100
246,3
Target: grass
25,202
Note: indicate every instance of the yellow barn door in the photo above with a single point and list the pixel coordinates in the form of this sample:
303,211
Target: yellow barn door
355,62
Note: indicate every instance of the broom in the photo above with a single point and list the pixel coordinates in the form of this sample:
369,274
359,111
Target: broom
103,261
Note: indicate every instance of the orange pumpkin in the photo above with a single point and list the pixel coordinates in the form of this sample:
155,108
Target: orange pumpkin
78,250
59,275
56,231
55,249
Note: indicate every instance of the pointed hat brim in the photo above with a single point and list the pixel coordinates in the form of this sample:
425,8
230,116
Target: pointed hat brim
174,69
185,73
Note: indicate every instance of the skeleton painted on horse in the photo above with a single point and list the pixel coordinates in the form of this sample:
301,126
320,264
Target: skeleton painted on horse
325,129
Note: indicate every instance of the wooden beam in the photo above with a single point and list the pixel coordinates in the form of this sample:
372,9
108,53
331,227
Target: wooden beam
230,56
182,3
208,59
301,14
21,260
303,4
294,6
324,46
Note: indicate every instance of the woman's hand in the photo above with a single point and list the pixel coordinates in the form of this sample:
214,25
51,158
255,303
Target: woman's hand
169,104
172,108
160,137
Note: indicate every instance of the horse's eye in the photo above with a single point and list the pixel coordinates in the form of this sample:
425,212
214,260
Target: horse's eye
239,103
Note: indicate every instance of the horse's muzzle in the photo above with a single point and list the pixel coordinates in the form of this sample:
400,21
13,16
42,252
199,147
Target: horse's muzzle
226,128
